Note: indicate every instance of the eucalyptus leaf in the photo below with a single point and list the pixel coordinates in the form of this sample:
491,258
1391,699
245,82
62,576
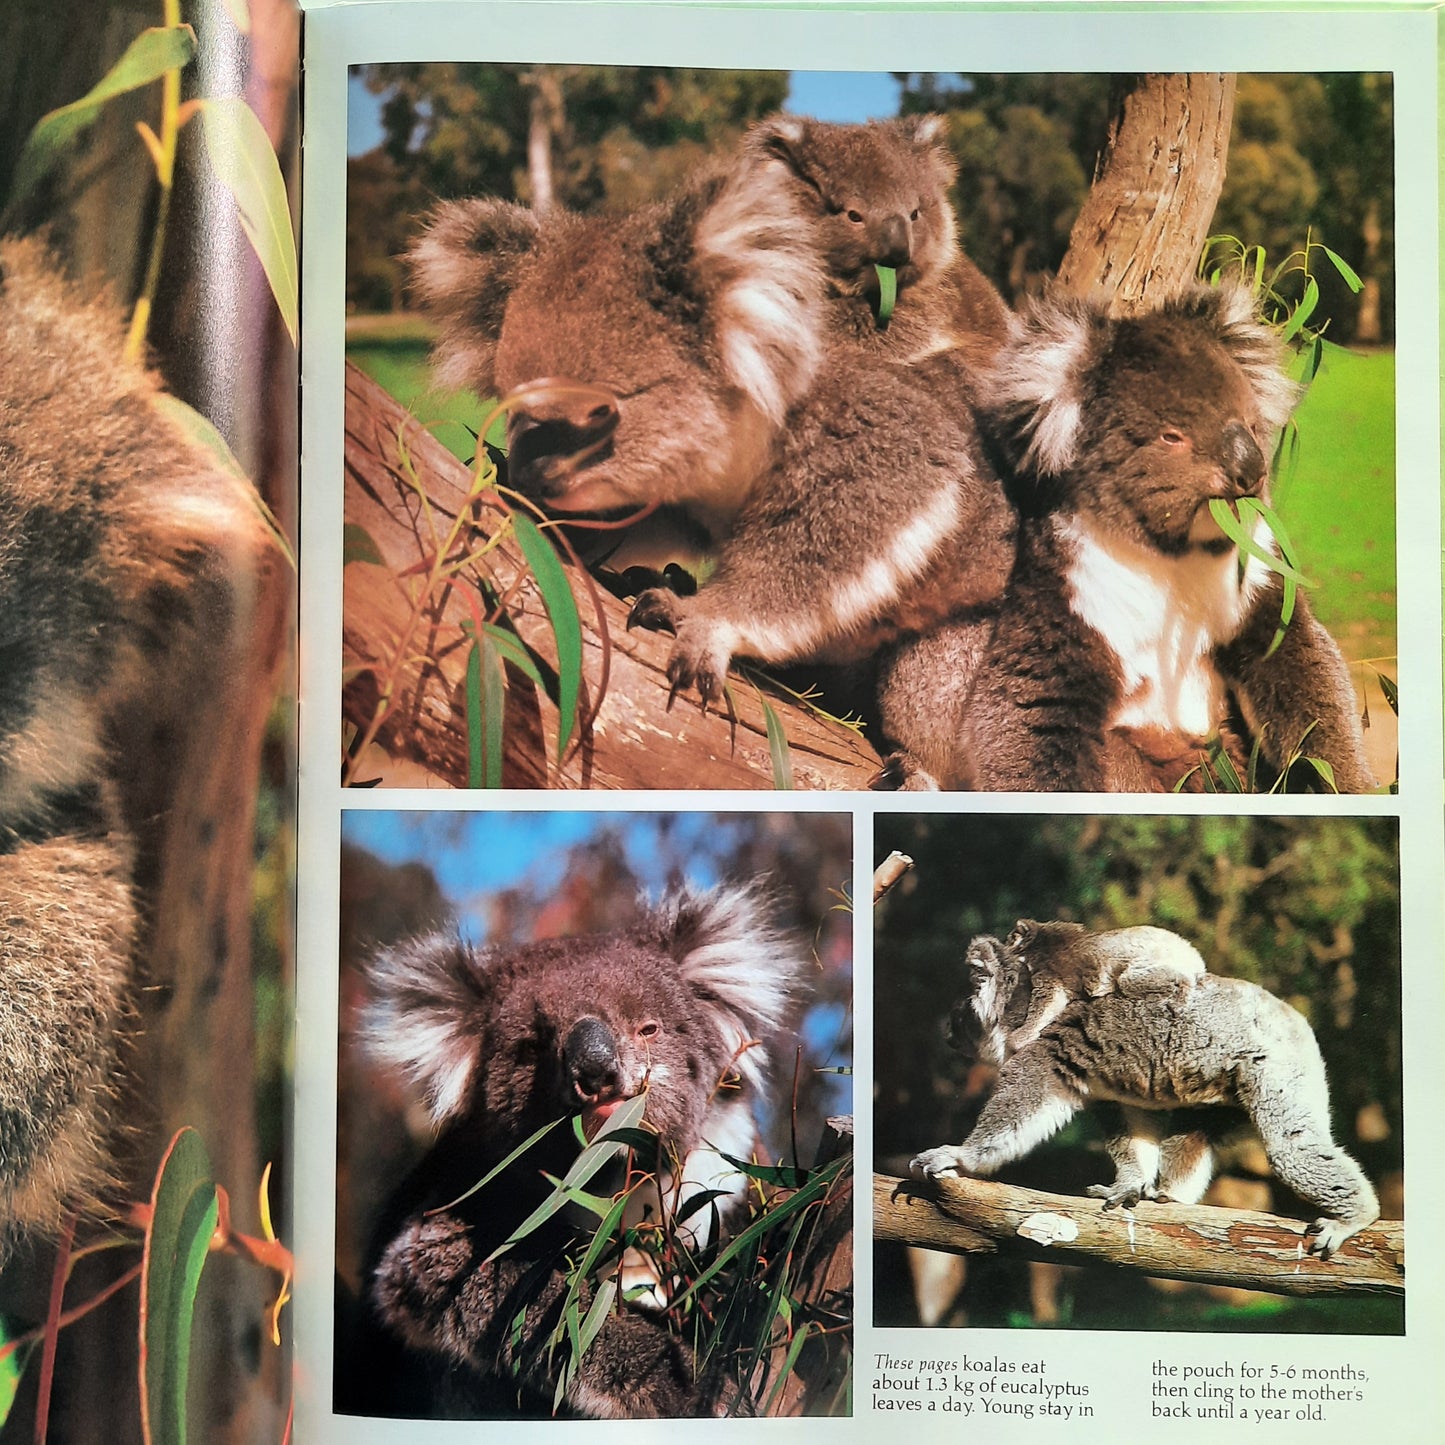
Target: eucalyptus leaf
887,292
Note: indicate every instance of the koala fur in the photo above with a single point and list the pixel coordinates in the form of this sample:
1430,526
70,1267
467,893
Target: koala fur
719,353
1221,1042
880,514
1064,962
1127,636
115,538
500,1041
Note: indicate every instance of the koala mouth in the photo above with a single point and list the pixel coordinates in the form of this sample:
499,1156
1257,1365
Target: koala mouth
598,1110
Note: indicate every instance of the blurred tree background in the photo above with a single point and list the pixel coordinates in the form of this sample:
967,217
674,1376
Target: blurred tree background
1309,154
1306,907
515,877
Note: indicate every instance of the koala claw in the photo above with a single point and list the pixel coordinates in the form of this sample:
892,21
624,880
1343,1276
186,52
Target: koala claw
1327,1235
656,609
1120,1196
933,1163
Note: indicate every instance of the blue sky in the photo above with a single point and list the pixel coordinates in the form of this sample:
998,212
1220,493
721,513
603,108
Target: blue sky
840,95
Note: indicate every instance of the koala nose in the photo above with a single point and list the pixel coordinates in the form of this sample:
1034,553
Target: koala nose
1242,459
589,1056
556,420
894,244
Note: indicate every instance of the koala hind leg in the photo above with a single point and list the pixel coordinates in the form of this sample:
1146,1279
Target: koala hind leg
1134,1147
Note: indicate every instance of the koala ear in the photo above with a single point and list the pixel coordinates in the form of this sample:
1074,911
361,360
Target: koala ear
926,129
1231,310
462,270
429,1000
785,137
1037,385
744,970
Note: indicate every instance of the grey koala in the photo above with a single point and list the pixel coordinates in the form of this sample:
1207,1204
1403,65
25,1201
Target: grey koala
1129,634
880,514
1065,962
718,353
122,545
1221,1042
500,1041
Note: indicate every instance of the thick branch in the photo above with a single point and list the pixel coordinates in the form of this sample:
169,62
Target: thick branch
633,742
1145,220
1191,1242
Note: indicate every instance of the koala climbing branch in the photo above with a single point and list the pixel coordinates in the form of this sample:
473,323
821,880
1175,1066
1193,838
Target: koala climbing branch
1200,1243
633,742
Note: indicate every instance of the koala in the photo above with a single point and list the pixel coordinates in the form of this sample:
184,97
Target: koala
1222,1042
121,542
880,515
1129,633
500,1041
1064,962
717,353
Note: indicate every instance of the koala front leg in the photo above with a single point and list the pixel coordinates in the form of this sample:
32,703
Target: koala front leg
1298,698
1031,1102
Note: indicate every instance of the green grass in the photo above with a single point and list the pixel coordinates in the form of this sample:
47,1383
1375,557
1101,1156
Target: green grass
1339,499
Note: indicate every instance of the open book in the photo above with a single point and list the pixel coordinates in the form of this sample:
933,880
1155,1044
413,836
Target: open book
754,588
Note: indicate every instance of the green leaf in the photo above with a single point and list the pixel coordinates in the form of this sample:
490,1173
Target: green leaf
183,1216
493,707
242,158
1237,531
1345,269
1286,612
778,749
1224,768
887,292
1303,311
1325,770
511,1158
12,1367
146,59
1391,689
514,651
357,546
551,579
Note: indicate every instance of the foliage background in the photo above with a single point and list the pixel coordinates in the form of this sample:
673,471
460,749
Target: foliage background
1306,907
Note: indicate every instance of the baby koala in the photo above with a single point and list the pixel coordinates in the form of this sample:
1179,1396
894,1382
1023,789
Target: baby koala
1064,962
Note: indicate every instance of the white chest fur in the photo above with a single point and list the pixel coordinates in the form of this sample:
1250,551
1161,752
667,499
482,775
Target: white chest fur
1162,617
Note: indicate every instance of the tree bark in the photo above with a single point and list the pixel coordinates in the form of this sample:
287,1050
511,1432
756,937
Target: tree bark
1143,225
632,739
1174,1241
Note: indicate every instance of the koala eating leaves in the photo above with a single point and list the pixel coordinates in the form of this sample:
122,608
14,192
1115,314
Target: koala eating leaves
500,1041
1222,1042
670,357
125,550
1064,962
1128,636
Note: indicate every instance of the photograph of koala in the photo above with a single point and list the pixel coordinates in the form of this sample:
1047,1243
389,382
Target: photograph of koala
1139,1073
718,428
148,481
595,1099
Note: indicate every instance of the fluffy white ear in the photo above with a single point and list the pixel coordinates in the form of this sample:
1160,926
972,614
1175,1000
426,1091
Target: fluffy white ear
1254,345
1037,382
929,128
427,1000
746,970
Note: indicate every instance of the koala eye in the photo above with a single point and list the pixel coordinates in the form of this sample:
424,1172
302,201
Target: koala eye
1174,438
856,217
913,214
649,1030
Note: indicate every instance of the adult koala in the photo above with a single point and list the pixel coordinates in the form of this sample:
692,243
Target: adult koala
1129,635
1218,1042
499,1042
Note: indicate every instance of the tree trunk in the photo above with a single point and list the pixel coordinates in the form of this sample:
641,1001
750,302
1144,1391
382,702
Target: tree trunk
1173,1241
1143,225
632,740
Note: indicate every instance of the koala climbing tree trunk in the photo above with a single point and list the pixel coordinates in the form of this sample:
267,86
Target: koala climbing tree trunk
1143,224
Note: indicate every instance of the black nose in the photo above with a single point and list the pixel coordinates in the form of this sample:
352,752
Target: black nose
559,421
893,244
1242,460
589,1057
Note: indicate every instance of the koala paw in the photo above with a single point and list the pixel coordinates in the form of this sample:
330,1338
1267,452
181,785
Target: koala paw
901,773
1325,1236
933,1163
657,609
1120,1196
699,659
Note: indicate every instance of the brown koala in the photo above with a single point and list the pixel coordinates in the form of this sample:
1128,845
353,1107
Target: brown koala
1065,962
121,543
880,515
1129,634
500,1042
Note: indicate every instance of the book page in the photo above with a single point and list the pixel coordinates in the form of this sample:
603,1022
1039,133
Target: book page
871,563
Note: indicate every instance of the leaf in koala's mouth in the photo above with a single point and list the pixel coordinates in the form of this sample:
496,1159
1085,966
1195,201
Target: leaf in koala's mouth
887,293
1237,523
